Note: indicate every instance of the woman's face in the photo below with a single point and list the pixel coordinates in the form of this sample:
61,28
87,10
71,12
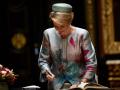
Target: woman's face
62,28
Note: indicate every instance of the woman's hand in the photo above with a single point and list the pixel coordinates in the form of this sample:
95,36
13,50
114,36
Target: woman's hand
84,80
74,86
50,76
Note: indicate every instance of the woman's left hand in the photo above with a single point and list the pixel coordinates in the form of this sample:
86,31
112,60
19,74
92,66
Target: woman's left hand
84,80
73,86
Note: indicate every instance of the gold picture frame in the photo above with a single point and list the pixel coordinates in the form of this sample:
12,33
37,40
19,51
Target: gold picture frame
90,20
107,29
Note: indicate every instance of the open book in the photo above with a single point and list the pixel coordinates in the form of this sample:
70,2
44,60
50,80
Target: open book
90,86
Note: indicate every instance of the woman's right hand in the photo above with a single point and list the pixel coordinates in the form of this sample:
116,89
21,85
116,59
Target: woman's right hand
50,76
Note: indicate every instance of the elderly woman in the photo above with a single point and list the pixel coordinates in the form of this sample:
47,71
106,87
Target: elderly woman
67,56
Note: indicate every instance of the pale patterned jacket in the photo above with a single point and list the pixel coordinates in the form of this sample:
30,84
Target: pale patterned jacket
69,59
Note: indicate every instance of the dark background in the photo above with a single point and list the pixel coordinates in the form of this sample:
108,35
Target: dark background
31,18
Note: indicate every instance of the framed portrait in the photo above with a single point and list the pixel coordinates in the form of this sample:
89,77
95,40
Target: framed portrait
109,26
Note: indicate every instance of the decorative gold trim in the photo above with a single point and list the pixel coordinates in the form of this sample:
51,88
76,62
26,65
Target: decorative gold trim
89,8
18,40
114,78
110,45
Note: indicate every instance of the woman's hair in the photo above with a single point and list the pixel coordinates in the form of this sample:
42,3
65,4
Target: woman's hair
62,17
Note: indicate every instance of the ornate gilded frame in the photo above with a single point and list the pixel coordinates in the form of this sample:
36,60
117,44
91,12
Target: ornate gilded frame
90,20
110,46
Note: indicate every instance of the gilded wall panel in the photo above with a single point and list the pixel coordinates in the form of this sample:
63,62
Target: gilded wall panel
110,46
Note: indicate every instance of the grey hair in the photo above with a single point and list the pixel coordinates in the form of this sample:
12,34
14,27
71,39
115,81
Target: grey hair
67,17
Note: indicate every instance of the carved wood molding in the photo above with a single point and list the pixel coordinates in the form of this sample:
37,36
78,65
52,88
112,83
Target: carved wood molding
110,46
90,20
